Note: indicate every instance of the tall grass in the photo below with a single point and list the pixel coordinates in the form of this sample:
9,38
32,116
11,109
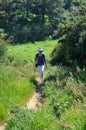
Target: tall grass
65,94
16,74
63,105
14,90
25,119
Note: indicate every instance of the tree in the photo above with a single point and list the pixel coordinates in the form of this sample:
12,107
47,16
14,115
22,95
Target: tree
73,44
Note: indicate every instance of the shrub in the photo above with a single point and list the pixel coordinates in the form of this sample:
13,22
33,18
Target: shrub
31,120
3,49
3,46
73,43
62,91
58,55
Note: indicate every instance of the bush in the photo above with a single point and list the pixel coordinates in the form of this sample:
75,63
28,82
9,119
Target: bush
58,55
3,46
23,119
3,49
64,93
72,50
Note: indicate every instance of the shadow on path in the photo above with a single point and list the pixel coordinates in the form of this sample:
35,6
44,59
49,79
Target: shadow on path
39,85
36,101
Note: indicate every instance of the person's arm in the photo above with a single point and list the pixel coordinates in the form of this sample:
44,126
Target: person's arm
45,61
36,59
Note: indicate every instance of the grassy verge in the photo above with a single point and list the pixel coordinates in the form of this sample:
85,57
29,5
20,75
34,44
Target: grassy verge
26,52
15,89
16,75
64,93
25,119
63,104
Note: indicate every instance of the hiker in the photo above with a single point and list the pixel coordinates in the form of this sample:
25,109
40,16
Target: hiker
40,62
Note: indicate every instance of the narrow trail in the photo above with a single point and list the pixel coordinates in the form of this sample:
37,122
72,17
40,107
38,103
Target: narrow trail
2,127
34,103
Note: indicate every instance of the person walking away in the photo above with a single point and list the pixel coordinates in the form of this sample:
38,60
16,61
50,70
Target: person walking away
40,62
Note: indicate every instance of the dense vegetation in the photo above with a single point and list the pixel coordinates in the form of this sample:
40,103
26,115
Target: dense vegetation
64,91
16,74
63,104
72,45
25,20
15,90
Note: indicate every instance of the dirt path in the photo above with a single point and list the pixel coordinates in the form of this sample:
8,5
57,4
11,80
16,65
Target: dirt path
2,127
34,103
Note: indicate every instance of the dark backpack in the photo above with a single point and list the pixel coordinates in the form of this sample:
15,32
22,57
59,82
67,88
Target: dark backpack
43,57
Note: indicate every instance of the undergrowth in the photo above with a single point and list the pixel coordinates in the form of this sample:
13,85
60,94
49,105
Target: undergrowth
23,119
65,93
15,90
64,107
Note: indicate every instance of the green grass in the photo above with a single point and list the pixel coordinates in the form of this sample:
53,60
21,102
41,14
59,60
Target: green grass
63,93
75,118
23,119
14,90
16,77
63,102
26,52
66,96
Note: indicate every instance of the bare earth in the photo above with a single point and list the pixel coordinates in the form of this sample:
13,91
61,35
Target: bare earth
34,103
2,127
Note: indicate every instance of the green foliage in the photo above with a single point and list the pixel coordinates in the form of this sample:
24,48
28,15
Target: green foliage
34,20
63,100
25,53
60,96
17,76
58,55
64,94
3,49
32,120
15,89
3,44
73,44
75,116
26,20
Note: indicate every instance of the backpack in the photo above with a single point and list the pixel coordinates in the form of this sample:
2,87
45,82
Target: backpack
43,57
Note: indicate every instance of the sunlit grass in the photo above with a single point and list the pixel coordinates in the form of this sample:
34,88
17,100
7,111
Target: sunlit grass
14,90
24,119
15,83
63,93
27,51
75,118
